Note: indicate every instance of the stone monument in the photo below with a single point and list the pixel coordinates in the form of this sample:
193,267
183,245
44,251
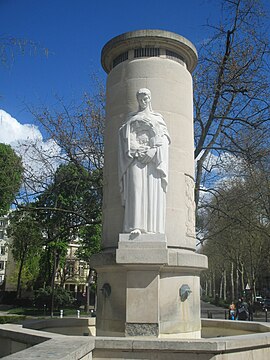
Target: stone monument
148,271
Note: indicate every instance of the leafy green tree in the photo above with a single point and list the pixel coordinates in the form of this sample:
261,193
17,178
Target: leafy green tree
29,273
90,242
62,297
11,171
69,204
26,236
77,129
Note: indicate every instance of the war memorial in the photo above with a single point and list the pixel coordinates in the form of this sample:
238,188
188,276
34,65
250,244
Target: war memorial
148,271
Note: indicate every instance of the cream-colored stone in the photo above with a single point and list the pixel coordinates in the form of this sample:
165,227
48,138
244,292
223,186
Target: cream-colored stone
121,100
111,309
181,161
142,239
178,316
150,271
149,38
143,168
142,294
187,259
142,249
144,255
255,345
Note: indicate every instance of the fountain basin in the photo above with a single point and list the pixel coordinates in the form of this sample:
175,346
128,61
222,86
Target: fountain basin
223,340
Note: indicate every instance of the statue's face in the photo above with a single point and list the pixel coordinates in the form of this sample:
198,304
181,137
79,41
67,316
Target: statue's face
143,101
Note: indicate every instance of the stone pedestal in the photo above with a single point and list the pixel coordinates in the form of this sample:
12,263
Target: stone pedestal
141,279
145,278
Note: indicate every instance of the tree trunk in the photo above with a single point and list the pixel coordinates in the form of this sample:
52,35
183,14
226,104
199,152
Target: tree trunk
206,287
232,283
53,281
214,285
225,285
221,286
237,281
19,290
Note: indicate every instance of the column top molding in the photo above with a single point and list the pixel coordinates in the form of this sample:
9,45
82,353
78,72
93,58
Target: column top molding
175,46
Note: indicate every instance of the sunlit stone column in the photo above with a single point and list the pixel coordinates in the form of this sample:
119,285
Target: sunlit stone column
150,284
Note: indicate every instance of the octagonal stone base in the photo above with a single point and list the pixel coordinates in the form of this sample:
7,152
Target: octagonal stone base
144,278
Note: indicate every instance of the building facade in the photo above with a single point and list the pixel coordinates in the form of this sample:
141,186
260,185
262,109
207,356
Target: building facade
73,276
3,249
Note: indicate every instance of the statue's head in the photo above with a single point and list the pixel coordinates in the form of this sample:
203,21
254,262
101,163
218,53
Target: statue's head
144,91
144,98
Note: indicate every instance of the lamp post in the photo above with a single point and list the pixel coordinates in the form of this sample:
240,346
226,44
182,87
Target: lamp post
87,297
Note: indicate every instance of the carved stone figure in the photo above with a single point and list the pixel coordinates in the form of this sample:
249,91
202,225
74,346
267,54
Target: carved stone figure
143,168
189,207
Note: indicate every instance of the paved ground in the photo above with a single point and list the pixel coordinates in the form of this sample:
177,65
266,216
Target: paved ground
216,312
208,310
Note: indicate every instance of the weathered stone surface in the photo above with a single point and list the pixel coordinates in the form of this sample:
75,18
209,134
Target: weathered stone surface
255,345
141,329
146,267
164,77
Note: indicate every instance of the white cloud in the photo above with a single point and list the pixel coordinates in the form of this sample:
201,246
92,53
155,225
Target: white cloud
40,158
11,131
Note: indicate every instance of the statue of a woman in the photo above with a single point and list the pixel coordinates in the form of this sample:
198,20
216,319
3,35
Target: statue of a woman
143,168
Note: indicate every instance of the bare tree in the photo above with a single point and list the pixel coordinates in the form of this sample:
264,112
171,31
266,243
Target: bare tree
231,88
237,225
11,46
73,134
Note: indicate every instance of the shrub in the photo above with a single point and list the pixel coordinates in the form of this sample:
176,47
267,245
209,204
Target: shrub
43,297
7,319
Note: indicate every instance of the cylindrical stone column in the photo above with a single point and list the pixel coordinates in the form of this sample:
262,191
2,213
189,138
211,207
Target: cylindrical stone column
162,62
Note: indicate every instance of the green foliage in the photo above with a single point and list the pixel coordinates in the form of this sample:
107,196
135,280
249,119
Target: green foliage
62,297
71,201
26,235
67,209
10,319
10,177
90,242
29,273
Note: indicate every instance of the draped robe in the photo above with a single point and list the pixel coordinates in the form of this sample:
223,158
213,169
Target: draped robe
143,185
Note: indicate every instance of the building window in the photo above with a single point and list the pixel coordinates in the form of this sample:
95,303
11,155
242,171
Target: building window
173,55
120,58
146,52
81,270
71,269
1,234
2,223
1,279
2,265
3,250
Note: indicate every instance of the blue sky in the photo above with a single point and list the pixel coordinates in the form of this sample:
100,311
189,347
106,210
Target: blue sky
74,31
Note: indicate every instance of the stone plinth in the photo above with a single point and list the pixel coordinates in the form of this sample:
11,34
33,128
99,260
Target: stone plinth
145,278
